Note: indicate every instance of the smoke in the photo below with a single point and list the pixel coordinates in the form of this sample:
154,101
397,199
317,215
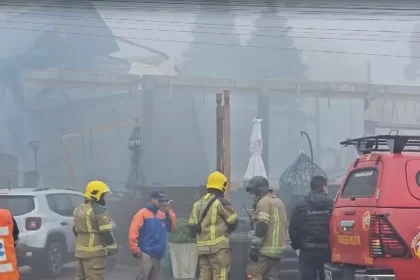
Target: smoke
15,128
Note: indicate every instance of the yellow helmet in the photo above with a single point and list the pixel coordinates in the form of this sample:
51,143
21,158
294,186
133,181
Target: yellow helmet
95,189
217,180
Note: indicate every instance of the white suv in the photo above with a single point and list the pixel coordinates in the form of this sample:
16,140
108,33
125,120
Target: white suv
45,220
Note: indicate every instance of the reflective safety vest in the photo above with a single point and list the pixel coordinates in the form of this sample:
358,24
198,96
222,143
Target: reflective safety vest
214,228
271,210
90,220
8,260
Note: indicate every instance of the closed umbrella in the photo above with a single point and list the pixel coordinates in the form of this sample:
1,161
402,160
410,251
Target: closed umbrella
256,165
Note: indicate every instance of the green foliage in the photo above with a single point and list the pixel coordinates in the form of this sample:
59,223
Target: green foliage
181,235
167,265
266,62
213,59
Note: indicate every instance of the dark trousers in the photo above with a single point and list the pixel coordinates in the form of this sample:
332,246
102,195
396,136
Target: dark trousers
311,264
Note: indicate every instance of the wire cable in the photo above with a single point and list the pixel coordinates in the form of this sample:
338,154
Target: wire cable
221,13
211,25
233,5
219,33
251,4
213,44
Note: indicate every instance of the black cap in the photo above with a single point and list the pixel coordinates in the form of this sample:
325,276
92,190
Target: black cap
159,195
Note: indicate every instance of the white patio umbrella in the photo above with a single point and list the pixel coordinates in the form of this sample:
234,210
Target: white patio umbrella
256,165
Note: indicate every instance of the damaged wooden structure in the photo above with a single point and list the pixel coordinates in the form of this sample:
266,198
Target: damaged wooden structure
371,93
81,79
148,85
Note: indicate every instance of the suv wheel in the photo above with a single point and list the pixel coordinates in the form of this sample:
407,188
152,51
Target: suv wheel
54,261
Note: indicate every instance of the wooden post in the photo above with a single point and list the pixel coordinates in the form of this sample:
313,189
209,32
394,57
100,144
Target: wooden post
148,96
367,129
219,133
263,113
226,130
370,127
317,154
70,163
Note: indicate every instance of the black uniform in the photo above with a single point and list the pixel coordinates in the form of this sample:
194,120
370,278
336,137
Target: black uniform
308,231
15,231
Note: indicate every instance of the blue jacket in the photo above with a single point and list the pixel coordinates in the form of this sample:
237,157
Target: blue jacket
148,231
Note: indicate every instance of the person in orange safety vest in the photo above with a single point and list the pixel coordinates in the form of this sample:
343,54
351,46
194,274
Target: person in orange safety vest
8,238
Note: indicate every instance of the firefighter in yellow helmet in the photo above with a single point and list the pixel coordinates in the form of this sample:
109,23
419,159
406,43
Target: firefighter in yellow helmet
212,220
93,230
269,240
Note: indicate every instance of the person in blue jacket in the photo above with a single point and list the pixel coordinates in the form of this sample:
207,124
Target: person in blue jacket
148,235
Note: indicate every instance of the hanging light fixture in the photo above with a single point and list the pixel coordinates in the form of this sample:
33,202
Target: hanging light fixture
135,139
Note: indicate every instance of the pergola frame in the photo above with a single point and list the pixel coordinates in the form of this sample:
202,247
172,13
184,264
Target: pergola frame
263,89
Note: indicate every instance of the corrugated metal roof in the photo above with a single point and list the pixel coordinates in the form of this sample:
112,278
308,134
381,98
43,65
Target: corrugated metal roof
394,111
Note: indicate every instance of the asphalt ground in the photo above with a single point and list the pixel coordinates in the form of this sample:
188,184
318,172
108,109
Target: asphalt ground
120,272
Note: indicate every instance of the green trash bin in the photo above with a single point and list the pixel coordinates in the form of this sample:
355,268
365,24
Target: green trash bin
240,246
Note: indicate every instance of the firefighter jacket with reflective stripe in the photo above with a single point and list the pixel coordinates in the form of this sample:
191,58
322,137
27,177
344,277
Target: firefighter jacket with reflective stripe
90,222
148,231
270,210
215,225
8,260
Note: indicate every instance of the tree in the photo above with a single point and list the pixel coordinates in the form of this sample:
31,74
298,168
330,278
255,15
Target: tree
277,58
211,59
67,47
272,32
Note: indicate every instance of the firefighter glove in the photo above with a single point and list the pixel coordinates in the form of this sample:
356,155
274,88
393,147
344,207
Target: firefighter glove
112,250
137,255
253,255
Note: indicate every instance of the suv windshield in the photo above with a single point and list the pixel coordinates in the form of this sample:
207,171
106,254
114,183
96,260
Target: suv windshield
361,183
18,205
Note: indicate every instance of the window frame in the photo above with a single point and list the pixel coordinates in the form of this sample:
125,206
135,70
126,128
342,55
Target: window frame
348,178
78,195
51,195
21,196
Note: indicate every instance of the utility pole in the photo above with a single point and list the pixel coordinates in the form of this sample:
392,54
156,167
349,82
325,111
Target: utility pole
226,139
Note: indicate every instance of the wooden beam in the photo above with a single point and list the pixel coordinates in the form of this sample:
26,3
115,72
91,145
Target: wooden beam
338,90
116,81
80,79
